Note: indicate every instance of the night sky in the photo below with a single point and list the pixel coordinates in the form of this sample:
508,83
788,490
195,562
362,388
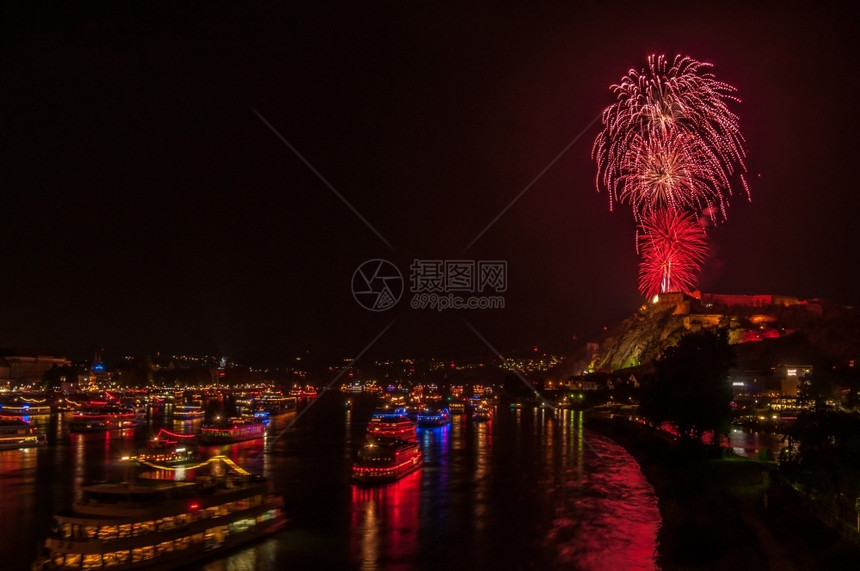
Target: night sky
146,207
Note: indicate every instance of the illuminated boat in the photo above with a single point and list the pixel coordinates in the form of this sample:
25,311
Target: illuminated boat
16,432
164,452
429,418
103,417
386,460
24,408
162,524
188,411
309,392
234,429
276,403
457,407
391,424
482,414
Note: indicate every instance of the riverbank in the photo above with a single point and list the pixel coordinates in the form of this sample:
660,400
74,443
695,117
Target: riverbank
726,513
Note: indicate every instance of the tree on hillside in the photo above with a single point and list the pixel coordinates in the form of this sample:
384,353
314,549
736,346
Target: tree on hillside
690,386
823,456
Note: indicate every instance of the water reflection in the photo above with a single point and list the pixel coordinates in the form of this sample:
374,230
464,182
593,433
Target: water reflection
752,443
529,489
385,523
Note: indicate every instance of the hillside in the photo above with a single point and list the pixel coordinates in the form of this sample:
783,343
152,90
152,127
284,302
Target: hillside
763,335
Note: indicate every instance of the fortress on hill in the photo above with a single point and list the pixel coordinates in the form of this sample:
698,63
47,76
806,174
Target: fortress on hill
729,300
660,323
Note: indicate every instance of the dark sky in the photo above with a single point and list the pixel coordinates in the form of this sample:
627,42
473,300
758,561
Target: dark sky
146,207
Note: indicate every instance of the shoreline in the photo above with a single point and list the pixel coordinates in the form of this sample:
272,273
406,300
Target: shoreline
732,513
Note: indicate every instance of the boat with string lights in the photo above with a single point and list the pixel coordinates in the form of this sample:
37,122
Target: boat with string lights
102,416
149,523
482,414
428,418
23,406
231,430
457,407
276,403
188,412
385,460
168,449
392,424
15,432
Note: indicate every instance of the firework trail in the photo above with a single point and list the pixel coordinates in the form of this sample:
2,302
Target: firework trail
673,246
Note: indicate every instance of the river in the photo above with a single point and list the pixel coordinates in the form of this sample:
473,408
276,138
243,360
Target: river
530,489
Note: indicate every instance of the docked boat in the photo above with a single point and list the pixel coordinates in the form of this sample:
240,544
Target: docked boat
386,460
391,424
162,524
101,418
432,418
234,429
16,432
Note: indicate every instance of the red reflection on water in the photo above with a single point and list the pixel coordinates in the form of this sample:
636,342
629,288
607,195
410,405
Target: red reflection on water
246,454
620,529
385,523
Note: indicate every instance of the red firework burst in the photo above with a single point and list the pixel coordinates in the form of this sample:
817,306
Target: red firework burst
655,107
670,170
673,246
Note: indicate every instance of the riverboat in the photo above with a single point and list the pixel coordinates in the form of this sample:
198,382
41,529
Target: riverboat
276,403
430,419
164,452
234,429
482,414
162,524
15,432
188,412
386,460
392,424
309,392
457,407
102,418
24,408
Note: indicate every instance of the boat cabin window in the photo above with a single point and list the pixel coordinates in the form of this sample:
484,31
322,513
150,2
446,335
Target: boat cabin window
124,530
116,558
108,532
143,527
142,553
164,547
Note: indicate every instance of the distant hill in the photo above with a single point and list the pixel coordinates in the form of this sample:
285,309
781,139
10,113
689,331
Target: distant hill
765,331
